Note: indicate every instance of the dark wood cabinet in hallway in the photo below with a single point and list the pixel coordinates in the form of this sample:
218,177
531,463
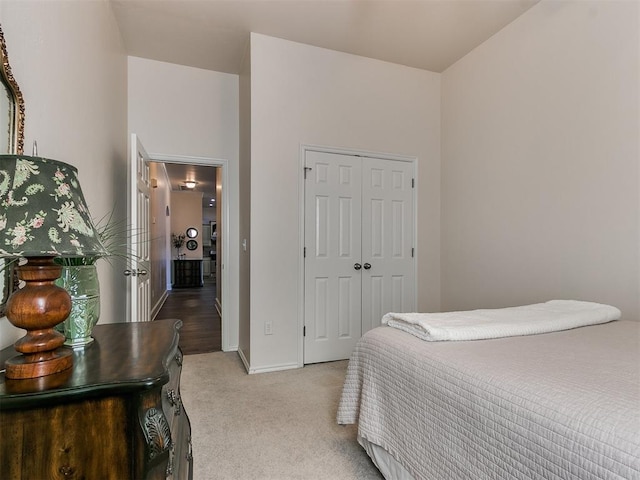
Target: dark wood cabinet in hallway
201,331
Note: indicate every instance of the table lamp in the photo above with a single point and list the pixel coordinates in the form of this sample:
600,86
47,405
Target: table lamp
43,215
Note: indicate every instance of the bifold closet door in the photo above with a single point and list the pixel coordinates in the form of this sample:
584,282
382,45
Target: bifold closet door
358,249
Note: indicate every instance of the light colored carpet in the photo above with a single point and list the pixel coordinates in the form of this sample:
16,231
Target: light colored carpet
269,426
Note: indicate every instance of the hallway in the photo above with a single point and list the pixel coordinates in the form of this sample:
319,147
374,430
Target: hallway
201,331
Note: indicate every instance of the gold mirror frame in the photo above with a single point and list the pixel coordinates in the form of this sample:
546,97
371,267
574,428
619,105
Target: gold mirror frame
16,110
15,145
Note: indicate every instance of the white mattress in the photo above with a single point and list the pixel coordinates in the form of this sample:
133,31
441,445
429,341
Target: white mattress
562,405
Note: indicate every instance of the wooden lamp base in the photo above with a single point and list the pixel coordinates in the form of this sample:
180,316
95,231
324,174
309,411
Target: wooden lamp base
24,366
37,308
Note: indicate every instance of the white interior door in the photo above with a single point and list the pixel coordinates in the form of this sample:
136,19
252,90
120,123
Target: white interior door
332,259
359,261
388,273
139,298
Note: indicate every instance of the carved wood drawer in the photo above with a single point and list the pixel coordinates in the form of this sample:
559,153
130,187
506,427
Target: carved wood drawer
112,416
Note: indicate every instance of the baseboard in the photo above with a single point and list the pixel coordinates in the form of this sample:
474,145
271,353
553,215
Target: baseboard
273,368
156,308
268,368
219,307
244,359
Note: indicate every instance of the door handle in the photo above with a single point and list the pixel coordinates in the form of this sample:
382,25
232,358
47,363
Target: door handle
357,266
135,273
367,266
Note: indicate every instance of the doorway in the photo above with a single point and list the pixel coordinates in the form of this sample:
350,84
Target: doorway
359,237
208,304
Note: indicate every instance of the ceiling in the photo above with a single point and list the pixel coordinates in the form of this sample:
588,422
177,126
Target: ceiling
204,176
214,34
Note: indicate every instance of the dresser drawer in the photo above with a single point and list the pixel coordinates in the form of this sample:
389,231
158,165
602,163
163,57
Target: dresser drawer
171,400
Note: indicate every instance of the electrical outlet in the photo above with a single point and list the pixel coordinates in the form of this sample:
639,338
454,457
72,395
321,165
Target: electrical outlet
268,328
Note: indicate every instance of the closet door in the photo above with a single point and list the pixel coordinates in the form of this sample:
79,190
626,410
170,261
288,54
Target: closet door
333,255
388,274
358,249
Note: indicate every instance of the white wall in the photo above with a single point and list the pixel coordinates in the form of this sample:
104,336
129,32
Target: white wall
308,95
540,158
185,111
160,231
540,179
244,260
69,62
186,212
178,110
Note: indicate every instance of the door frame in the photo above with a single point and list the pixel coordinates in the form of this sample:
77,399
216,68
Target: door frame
226,324
304,148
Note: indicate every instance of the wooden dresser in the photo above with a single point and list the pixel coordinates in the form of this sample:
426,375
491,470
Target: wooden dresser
187,274
117,414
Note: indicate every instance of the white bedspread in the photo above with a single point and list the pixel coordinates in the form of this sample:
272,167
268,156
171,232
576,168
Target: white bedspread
563,405
533,319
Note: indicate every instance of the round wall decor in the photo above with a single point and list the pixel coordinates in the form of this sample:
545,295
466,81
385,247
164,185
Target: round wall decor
192,245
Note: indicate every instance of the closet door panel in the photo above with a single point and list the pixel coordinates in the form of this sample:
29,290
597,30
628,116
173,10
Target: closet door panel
387,242
333,242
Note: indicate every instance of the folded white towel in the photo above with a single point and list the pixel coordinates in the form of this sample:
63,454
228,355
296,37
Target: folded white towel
503,322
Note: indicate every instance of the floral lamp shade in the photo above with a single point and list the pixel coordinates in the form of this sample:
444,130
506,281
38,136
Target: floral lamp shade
43,216
43,210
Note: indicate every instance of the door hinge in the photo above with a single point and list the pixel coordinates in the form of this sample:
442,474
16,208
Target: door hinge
304,252
413,183
304,331
306,169
412,250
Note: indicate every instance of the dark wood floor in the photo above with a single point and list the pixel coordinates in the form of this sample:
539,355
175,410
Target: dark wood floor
201,331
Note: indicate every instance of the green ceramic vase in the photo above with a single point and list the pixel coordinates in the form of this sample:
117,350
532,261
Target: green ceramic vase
82,284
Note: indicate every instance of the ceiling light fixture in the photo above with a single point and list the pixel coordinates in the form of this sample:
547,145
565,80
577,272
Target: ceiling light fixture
190,184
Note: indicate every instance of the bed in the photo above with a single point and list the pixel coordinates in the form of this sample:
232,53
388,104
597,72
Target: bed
561,405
